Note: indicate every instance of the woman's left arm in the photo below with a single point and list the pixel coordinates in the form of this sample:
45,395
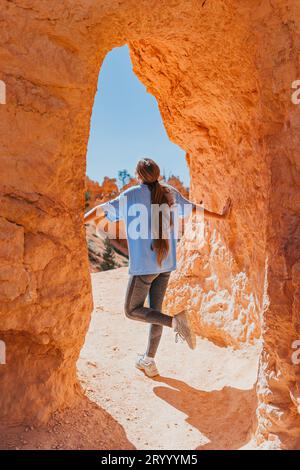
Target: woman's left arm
215,215
182,201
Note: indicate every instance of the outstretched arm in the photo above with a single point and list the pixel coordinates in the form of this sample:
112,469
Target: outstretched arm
182,201
95,213
112,210
215,215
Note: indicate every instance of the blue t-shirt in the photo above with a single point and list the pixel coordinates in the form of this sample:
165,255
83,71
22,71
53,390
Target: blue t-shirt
133,206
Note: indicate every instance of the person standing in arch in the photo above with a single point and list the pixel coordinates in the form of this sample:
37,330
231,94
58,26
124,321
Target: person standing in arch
152,252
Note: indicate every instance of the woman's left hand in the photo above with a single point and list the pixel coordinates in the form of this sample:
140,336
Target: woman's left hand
227,208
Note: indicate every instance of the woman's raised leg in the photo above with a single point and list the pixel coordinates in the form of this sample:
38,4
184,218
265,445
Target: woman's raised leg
137,291
156,296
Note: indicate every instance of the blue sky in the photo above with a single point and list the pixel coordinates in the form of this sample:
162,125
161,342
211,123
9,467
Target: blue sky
126,125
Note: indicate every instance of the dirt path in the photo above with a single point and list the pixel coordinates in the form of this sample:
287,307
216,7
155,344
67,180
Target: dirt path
203,399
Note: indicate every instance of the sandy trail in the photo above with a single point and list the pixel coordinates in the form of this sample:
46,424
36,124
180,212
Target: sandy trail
204,399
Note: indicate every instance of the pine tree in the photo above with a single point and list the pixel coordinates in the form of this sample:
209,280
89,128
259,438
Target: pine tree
123,177
108,258
87,198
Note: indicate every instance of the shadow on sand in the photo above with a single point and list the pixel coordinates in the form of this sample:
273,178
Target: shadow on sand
83,426
225,417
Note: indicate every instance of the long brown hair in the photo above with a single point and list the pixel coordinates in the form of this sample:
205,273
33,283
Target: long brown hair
148,171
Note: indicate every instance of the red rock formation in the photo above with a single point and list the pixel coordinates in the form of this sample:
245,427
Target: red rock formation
222,73
96,193
176,182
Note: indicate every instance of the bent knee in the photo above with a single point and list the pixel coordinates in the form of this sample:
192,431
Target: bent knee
129,312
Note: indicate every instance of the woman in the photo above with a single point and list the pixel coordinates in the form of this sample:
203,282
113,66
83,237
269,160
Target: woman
152,241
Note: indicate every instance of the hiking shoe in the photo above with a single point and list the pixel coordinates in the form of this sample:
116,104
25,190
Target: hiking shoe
183,329
149,367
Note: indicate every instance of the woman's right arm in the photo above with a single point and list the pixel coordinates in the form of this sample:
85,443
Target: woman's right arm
112,210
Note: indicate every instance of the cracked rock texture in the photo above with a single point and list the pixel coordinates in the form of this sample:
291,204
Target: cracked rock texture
222,74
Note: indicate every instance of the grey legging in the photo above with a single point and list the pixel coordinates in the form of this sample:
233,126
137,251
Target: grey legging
138,288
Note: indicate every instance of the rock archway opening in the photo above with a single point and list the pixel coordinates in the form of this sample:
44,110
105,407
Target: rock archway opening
126,125
219,297
210,66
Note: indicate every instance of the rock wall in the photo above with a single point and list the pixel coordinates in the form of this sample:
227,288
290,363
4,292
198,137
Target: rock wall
222,75
209,104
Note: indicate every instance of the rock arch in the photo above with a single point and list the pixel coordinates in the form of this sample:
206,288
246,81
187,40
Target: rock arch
222,75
